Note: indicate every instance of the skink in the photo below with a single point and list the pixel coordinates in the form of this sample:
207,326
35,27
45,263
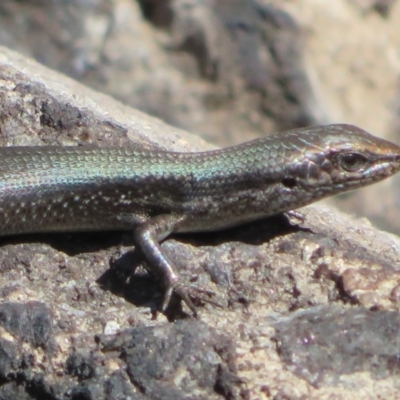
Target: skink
156,193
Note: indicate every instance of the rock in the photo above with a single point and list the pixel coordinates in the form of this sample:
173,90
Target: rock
54,316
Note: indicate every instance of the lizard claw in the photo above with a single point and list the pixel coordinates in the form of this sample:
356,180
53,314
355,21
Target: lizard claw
187,293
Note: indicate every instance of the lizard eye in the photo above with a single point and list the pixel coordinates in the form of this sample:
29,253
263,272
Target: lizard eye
352,162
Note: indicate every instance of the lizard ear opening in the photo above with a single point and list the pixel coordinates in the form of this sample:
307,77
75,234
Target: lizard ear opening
289,182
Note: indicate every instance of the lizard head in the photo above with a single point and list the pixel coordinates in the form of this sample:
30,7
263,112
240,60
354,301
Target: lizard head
340,157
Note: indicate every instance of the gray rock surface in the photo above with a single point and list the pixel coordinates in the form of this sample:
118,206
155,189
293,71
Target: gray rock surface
64,336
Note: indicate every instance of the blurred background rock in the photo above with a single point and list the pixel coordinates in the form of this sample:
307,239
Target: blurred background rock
231,70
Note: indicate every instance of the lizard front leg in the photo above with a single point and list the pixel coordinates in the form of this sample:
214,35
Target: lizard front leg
147,237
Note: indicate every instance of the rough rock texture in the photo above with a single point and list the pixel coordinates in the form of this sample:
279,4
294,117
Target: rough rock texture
297,295
324,345
196,64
